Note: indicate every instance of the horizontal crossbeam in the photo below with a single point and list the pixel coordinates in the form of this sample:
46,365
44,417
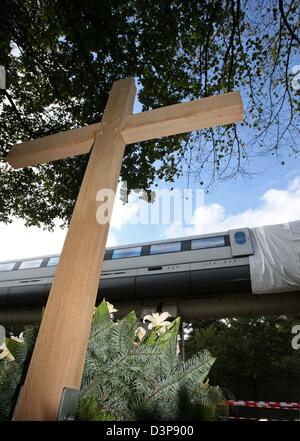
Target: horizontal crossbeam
183,117
50,148
170,120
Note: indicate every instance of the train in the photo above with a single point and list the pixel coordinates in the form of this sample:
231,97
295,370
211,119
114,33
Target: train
234,263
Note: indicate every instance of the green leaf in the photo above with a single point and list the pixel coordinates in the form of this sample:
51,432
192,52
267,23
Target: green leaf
170,334
102,315
17,349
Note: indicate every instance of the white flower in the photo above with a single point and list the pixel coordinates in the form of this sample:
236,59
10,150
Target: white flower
140,333
19,339
4,353
111,309
178,347
158,321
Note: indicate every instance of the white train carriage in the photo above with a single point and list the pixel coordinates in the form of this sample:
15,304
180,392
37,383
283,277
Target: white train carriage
237,262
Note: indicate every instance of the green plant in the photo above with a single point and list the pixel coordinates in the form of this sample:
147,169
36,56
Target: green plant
13,366
130,374
252,354
133,375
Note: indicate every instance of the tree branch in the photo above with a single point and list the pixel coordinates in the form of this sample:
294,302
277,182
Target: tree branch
15,109
287,25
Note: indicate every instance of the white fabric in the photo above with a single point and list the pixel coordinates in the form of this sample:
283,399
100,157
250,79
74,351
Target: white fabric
275,264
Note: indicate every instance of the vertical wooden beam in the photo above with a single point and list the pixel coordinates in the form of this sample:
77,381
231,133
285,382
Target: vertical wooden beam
59,353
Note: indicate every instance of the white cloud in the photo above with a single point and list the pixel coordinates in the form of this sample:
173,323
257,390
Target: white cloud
276,206
17,241
112,240
123,213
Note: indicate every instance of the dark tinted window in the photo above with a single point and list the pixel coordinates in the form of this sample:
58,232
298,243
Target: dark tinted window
108,254
123,253
7,266
162,248
208,242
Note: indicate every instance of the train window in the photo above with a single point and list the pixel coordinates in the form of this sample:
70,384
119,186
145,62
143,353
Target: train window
27,264
208,242
53,261
108,254
123,253
161,248
7,266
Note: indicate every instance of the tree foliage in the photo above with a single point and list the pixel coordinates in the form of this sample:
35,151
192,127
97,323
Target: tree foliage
256,360
61,58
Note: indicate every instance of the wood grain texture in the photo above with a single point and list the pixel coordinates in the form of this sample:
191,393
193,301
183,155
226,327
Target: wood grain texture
59,353
183,117
50,148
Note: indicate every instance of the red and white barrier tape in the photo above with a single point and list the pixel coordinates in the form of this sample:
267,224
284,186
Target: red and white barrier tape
254,419
264,404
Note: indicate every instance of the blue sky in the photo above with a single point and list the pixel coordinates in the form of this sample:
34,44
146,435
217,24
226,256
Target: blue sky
236,197
239,199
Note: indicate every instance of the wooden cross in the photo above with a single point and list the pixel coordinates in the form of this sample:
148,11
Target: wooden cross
60,349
